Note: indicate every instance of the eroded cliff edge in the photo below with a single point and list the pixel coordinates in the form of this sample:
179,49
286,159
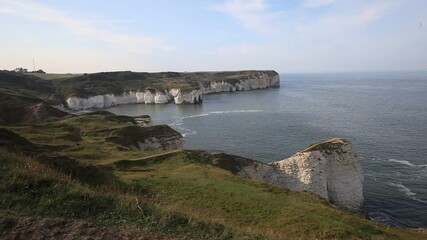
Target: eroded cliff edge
158,88
329,169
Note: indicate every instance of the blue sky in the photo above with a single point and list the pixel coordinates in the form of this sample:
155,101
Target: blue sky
195,35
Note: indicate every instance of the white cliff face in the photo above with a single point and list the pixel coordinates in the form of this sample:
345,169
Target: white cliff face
178,96
217,87
261,81
108,100
329,169
263,172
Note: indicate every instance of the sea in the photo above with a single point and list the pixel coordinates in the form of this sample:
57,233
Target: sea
383,114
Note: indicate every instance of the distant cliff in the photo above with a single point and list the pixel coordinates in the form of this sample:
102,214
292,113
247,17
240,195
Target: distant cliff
103,90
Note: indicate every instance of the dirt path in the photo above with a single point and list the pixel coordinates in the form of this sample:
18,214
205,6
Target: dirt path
142,158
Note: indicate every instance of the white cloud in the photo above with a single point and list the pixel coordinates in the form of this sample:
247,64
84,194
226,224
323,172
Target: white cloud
83,27
373,12
319,3
340,21
253,14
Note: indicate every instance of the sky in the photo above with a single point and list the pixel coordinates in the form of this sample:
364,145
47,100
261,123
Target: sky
289,36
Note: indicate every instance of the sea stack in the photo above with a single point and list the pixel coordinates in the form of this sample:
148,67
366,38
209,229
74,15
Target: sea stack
329,169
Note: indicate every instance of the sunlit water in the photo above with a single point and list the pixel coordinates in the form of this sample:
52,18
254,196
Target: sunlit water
383,114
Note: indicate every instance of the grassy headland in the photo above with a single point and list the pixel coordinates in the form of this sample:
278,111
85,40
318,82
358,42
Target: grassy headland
58,87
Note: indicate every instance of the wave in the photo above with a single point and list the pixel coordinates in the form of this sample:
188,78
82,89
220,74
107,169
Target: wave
236,111
221,112
195,116
407,191
407,163
186,131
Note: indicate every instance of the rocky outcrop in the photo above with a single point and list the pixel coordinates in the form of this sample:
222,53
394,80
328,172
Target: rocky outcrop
329,169
149,138
256,80
143,120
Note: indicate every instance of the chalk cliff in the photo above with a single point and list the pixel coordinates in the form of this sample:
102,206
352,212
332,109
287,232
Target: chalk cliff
256,80
329,169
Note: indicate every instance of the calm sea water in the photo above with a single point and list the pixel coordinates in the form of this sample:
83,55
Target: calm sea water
383,114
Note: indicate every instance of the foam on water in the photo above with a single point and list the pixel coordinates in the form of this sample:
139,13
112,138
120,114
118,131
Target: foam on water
188,132
407,163
407,191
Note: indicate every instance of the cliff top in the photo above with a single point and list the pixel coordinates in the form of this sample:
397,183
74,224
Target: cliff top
332,143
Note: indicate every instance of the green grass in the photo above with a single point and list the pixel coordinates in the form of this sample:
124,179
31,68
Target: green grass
192,187
84,137
30,189
75,174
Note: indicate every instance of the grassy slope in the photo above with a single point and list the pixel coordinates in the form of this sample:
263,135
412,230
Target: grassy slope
83,137
186,184
28,188
25,85
21,109
180,196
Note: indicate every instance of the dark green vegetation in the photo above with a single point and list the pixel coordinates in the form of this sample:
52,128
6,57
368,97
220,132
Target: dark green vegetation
52,76
91,138
17,109
68,167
